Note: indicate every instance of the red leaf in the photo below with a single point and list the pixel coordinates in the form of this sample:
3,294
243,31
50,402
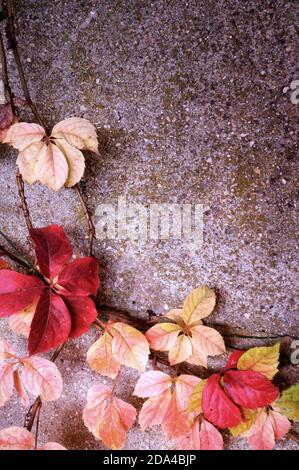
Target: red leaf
17,291
216,405
80,277
53,249
51,324
83,314
233,359
249,388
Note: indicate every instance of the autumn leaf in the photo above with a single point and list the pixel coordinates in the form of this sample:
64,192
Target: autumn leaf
100,357
152,383
176,422
248,418
55,161
198,304
288,403
108,417
154,409
233,359
196,397
17,438
249,389
129,346
6,119
202,436
267,427
262,359
187,339
33,374
57,306
217,406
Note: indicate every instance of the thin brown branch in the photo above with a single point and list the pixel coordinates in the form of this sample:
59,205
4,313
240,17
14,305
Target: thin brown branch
91,227
5,79
16,259
12,40
34,410
25,209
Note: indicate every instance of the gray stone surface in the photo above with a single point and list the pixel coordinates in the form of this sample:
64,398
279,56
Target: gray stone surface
191,103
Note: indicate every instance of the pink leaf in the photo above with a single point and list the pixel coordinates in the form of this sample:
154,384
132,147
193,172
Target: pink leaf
162,336
152,383
6,382
191,441
280,424
176,422
51,324
6,350
80,277
184,387
24,399
16,438
97,395
22,134
154,409
100,357
42,377
20,322
261,434
17,291
53,249
210,437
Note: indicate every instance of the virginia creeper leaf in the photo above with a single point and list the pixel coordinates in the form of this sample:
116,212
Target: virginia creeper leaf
78,132
198,304
288,402
152,383
181,350
16,438
51,324
196,397
6,382
22,134
75,161
17,291
184,387
100,357
80,277
217,406
20,322
129,346
51,167
24,399
162,336
27,161
53,249
249,388
176,422
263,359
83,314
154,409
233,359
42,377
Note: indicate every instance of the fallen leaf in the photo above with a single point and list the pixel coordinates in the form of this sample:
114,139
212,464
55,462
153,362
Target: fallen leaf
288,403
22,134
78,132
198,304
154,409
152,383
41,378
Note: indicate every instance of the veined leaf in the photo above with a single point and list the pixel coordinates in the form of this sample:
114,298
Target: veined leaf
198,304
263,359
288,402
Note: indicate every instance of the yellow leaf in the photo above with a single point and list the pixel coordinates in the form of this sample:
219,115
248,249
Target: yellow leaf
288,403
248,417
181,350
198,304
22,134
75,161
205,342
51,167
101,359
264,360
196,397
78,132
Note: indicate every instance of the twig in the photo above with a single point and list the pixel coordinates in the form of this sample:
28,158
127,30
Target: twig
15,258
91,227
5,79
34,410
37,426
12,40
25,209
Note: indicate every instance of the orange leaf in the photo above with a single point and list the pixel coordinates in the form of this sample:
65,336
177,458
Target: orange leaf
152,383
107,417
261,359
20,322
154,409
24,399
205,342
101,359
163,335
4,264
176,422
198,304
129,346
181,350
41,377
266,428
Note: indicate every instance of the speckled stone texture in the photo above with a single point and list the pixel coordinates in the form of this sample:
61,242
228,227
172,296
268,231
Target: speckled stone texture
191,102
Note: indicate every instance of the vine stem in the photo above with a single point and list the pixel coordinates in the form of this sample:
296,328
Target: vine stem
5,79
16,259
21,189
91,227
11,35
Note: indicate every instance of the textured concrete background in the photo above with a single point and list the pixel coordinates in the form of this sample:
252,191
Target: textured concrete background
191,101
